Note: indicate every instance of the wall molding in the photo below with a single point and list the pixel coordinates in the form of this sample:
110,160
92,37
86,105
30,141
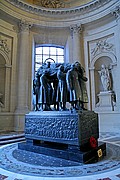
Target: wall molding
83,9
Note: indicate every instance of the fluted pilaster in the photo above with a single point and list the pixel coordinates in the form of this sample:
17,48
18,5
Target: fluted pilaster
76,41
23,64
116,13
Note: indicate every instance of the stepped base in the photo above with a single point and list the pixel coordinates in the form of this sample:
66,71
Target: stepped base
67,152
11,137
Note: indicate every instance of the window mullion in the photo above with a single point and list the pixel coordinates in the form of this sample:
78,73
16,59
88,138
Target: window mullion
51,52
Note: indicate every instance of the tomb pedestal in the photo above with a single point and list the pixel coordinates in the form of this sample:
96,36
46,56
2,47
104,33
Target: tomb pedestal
106,101
72,136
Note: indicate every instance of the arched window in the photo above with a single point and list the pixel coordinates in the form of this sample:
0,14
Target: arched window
48,51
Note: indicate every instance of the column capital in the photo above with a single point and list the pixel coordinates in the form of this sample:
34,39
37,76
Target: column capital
116,12
24,25
76,29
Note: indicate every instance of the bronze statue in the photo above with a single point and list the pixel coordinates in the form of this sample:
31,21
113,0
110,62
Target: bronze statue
36,86
62,88
45,92
73,87
82,81
56,83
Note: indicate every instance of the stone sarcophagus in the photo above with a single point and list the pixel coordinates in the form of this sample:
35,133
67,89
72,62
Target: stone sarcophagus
62,127
69,135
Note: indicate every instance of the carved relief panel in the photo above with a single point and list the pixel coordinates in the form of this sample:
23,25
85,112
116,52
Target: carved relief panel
103,45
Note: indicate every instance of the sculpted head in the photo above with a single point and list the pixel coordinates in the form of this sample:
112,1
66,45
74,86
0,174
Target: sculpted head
72,66
61,67
102,66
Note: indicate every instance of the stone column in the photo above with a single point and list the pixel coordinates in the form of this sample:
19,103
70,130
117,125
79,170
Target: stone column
93,100
116,13
23,64
76,37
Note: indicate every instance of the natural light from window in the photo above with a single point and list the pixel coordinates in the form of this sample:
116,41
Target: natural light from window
44,52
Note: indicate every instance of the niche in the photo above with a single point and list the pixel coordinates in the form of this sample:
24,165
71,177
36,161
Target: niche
98,85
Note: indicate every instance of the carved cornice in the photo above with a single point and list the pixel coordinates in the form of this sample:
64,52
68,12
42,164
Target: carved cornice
94,5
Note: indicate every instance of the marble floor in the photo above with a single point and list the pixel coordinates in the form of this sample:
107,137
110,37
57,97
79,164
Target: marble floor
15,166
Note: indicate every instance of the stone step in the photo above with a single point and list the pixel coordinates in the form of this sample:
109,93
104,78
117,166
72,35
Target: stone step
11,138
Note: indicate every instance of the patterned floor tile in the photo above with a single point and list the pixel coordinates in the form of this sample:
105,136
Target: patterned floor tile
2,177
105,179
118,175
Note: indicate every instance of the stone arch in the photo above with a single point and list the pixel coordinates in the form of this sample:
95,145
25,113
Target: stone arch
5,57
104,54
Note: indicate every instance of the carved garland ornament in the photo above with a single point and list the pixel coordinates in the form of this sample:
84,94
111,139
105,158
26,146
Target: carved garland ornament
4,46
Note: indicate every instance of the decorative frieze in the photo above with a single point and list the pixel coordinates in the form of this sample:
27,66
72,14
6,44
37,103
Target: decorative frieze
65,127
93,5
53,128
49,4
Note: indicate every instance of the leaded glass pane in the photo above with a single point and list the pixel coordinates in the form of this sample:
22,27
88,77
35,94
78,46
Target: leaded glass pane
39,50
60,51
53,50
60,59
45,50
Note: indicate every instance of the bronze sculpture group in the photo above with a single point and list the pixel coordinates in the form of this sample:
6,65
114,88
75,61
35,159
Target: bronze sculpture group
62,131
56,84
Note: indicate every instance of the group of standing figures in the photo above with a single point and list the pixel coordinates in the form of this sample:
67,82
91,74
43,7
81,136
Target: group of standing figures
55,84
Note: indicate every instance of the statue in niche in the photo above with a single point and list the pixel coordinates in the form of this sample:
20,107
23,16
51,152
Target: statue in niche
105,78
58,83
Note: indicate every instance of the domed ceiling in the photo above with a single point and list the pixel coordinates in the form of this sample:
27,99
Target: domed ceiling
58,3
